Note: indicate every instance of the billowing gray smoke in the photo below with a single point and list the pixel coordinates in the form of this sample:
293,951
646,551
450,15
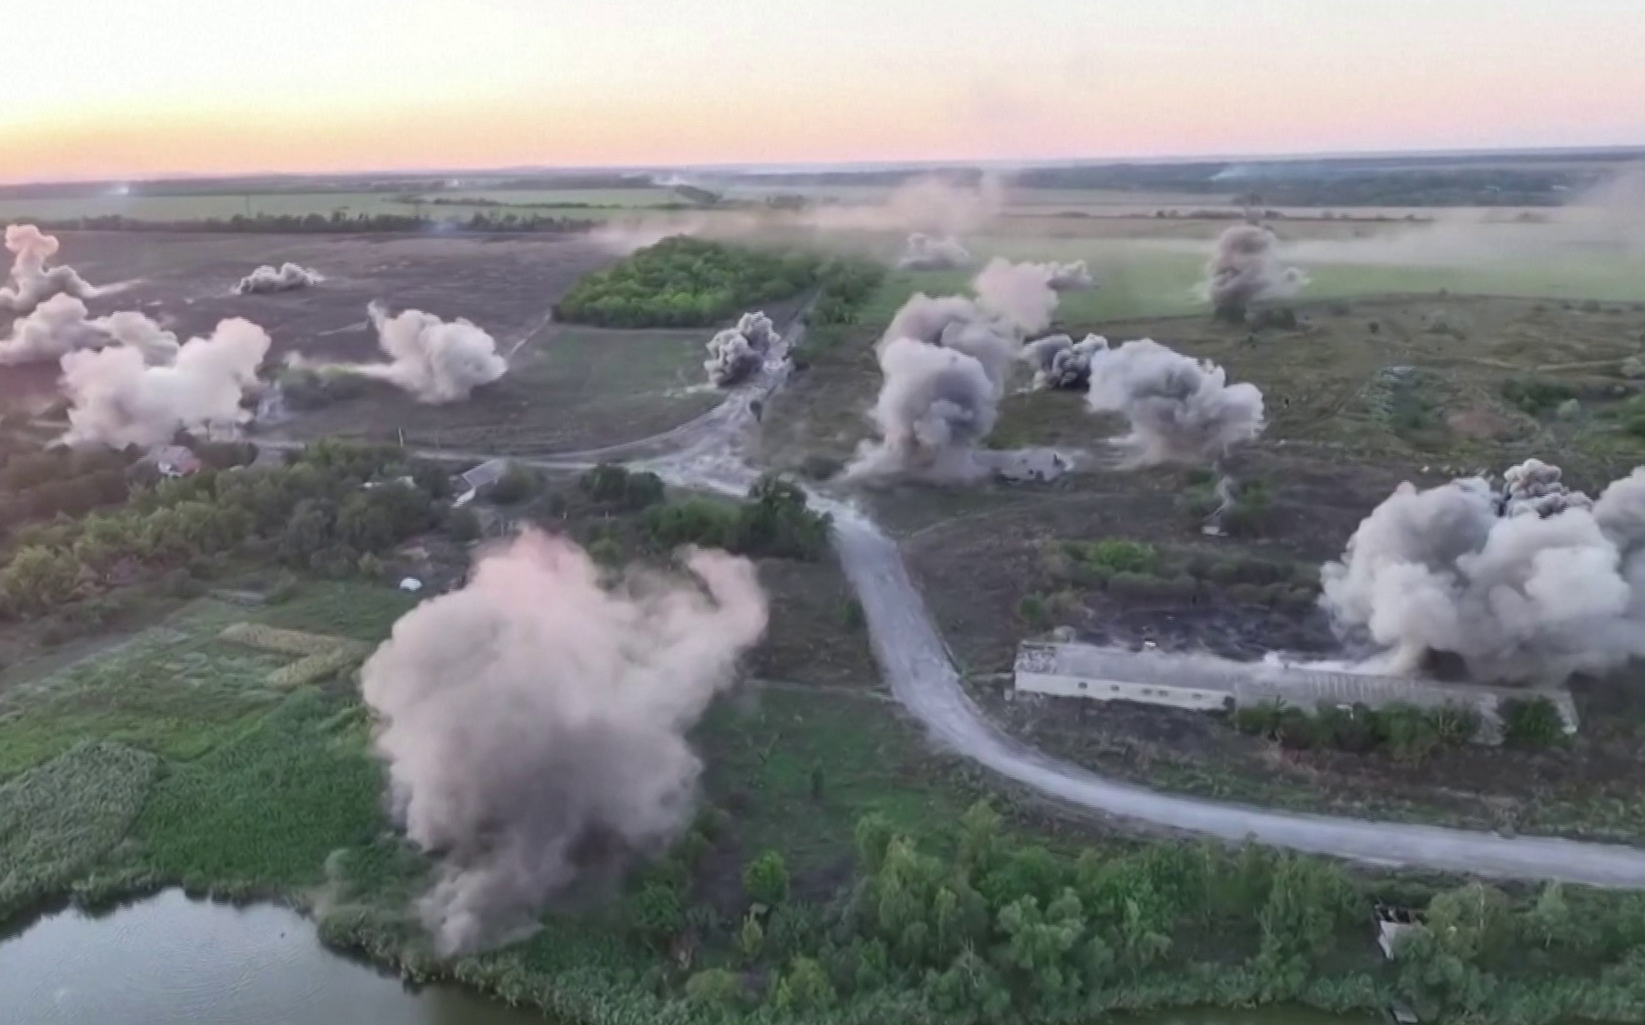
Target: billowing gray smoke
1180,409
936,403
117,399
32,283
1013,300
933,252
1245,267
285,278
738,353
433,359
534,721
1528,583
61,325
1059,362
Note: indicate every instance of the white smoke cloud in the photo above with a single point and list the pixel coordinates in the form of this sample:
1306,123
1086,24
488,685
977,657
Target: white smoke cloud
117,399
32,283
1021,293
534,722
61,325
1180,409
433,359
1529,583
1244,267
738,353
932,252
1069,277
285,278
935,405
1061,363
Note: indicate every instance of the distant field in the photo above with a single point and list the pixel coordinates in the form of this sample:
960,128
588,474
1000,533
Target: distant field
562,197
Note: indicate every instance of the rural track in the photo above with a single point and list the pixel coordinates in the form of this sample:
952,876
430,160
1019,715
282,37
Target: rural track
922,678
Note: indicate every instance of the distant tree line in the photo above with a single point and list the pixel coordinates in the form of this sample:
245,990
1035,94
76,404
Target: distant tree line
338,222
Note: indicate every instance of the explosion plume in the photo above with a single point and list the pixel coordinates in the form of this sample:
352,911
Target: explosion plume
1245,267
935,404
61,325
285,278
433,359
534,722
1180,409
118,400
1529,582
32,283
1061,363
738,353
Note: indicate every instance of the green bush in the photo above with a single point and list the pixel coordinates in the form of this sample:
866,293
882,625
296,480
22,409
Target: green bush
462,525
765,879
777,522
1531,723
1120,556
1031,610
715,989
1536,395
691,521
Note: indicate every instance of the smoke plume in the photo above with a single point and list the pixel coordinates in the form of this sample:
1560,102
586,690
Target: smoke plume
433,359
1529,582
738,353
1061,363
932,252
534,721
32,283
287,277
935,405
1068,277
1021,293
118,400
1245,267
1180,409
60,325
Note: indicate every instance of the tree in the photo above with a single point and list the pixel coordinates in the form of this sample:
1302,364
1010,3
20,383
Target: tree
750,937
765,880
516,484
656,914
1472,922
1551,923
804,987
715,988
38,579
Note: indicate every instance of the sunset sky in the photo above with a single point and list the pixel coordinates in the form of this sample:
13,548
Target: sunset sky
133,88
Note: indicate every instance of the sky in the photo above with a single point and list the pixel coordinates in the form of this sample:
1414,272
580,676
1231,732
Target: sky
140,88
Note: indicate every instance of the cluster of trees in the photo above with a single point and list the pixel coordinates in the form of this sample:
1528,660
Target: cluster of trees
337,222
331,508
685,282
1401,731
993,929
1247,514
774,522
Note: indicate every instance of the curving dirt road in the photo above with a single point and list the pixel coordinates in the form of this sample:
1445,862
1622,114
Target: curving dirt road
704,454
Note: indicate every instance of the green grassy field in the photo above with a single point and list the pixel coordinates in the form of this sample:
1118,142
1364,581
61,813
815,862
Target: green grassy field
605,203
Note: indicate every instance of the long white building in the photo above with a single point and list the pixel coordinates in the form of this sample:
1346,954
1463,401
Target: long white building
1208,683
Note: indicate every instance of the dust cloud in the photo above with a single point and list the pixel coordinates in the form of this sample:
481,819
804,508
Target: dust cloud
534,722
738,353
61,325
1245,267
1180,410
435,360
32,282
1526,582
933,252
935,405
285,278
1060,363
117,399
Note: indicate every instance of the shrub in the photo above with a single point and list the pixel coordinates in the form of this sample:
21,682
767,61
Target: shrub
685,282
698,521
462,525
1531,722
715,989
655,913
765,879
777,522
1455,725
804,987
1536,395
1031,610
1121,556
